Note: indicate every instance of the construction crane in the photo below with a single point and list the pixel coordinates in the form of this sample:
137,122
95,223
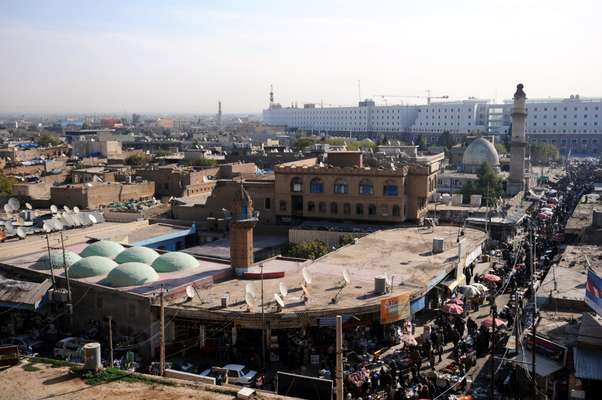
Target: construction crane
428,97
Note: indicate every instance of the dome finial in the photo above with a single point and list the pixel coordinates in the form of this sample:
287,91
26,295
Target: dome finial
519,91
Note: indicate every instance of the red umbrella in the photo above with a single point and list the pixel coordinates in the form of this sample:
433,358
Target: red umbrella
492,278
488,322
455,301
452,309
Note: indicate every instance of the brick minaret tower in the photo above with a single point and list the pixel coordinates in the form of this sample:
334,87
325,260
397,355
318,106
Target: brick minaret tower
241,231
518,149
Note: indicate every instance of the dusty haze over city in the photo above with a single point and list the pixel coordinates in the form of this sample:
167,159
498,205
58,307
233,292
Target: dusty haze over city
152,56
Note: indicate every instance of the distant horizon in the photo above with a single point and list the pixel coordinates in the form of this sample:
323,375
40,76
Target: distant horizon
82,57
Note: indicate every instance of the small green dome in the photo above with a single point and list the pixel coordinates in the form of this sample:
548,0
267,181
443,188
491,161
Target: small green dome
56,256
103,248
131,274
137,254
174,261
91,266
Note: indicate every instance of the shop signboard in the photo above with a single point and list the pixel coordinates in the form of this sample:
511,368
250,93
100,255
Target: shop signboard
593,291
395,308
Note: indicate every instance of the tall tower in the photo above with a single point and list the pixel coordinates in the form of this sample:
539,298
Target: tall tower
271,95
516,181
219,115
241,231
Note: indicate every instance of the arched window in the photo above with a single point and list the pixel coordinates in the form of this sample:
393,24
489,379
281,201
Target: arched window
390,189
322,207
334,208
359,209
340,186
311,206
366,187
371,209
296,185
396,211
316,186
346,208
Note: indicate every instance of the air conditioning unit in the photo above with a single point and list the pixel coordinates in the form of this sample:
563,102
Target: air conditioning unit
438,245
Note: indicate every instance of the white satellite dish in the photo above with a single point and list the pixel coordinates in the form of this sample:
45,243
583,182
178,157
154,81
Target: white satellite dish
7,209
66,208
21,233
283,289
250,289
189,292
10,229
306,276
250,300
14,204
68,220
278,300
76,209
53,209
346,277
46,227
58,225
92,218
28,206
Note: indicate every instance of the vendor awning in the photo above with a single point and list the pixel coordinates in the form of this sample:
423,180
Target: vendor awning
452,283
588,363
543,365
24,295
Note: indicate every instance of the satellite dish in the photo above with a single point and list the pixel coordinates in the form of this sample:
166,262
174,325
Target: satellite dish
58,225
53,209
7,209
46,227
250,300
283,289
278,300
250,289
28,206
76,209
68,220
14,204
66,208
189,292
306,276
92,218
346,277
10,229
21,233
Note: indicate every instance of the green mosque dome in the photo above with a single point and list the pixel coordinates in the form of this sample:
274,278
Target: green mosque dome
91,266
175,261
137,254
56,256
131,274
103,248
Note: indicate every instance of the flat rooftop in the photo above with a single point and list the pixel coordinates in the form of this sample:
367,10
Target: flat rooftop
221,248
582,215
126,235
405,254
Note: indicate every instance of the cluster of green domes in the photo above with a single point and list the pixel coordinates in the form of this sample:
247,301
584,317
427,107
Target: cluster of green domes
120,266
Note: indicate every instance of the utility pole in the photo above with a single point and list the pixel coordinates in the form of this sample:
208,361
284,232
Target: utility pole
517,315
493,333
533,329
69,306
110,341
50,261
262,325
339,355
161,334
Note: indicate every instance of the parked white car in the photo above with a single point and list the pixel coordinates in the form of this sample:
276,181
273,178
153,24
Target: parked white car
237,374
70,348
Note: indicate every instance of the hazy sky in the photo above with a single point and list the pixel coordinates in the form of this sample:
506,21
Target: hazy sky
182,56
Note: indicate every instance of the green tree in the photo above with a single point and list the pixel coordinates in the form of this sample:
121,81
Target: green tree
488,184
137,159
422,142
346,239
204,162
446,140
6,185
543,153
310,250
366,144
47,139
500,148
302,143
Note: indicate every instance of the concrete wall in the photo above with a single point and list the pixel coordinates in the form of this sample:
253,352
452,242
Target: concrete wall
100,194
331,238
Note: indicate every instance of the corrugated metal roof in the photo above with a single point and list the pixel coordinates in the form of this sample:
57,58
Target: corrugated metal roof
22,294
588,363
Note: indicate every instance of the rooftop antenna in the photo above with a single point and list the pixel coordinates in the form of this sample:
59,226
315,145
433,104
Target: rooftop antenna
359,90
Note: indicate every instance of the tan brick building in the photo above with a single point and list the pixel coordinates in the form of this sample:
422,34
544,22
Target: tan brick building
94,195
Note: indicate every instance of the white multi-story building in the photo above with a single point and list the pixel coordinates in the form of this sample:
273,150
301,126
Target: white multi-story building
570,123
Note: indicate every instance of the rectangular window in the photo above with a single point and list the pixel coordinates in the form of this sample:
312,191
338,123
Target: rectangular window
267,203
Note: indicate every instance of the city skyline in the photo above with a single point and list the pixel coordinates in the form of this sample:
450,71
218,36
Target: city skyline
78,57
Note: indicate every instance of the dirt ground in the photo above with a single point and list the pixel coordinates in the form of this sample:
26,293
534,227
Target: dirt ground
16,383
